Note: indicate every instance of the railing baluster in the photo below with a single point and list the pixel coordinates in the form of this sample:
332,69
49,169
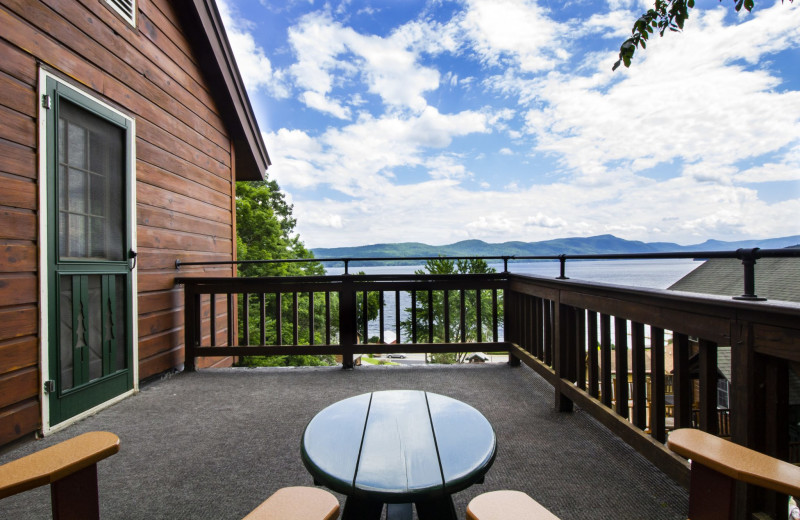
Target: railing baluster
538,328
639,376
430,316
278,318
708,386
534,327
295,318
657,377
621,351
311,318
547,316
231,317
262,318
413,316
246,317
580,343
365,316
463,318
478,315
397,317
380,318
592,344
327,317
605,360
212,303
494,315
681,383
446,316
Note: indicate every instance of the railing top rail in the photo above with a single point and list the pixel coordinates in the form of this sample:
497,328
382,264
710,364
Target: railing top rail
337,279
754,253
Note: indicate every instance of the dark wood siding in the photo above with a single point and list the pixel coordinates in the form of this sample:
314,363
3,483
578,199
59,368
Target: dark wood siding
184,172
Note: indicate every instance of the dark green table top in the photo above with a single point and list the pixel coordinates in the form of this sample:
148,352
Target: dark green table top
398,446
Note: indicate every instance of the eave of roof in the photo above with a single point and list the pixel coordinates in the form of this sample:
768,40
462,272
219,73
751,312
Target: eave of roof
207,35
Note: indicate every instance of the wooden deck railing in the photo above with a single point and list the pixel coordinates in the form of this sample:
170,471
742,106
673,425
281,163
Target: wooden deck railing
577,335
329,315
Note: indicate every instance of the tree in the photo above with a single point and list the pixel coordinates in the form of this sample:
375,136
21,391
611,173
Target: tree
450,315
265,230
666,14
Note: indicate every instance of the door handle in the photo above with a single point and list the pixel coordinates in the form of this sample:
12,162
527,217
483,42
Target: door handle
132,256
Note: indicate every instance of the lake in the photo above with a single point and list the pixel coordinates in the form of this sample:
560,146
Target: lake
654,274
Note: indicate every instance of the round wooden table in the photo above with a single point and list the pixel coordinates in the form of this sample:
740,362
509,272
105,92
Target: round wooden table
398,447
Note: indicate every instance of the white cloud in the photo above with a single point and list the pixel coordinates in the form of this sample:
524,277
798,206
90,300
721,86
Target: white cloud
614,24
545,221
319,101
788,169
388,66
692,108
358,158
517,32
675,103
253,63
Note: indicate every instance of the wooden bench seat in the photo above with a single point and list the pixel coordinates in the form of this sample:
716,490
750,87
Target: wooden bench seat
69,467
507,505
297,503
716,466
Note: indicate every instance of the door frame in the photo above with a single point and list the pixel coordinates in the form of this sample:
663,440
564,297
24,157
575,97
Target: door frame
44,293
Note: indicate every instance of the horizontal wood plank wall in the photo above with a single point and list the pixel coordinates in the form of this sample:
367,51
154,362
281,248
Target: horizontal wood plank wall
184,183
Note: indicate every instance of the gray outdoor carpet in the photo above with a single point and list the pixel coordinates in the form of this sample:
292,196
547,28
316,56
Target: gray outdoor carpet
214,444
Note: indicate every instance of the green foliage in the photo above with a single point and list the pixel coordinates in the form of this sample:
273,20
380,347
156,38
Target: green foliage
665,14
287,361
265,231
453,309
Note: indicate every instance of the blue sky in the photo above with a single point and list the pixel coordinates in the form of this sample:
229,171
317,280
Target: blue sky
438,121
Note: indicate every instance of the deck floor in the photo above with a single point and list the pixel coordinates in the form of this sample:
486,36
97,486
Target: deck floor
215,443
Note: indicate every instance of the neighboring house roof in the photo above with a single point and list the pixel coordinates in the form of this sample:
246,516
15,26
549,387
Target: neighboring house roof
723,364
207,35
776,278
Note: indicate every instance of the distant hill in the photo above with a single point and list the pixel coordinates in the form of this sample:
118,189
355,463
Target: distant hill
601,244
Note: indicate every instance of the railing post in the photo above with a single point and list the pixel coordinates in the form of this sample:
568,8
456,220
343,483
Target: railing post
747,397
510,322
681,382
562,259
564,345
191,323
708,386
748,257
347,323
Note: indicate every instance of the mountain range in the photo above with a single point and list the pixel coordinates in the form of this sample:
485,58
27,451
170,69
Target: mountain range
601,244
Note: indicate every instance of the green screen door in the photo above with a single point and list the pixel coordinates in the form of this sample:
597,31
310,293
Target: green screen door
89,275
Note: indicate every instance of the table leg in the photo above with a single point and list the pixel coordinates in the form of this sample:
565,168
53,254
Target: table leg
440,509
357,509
399,511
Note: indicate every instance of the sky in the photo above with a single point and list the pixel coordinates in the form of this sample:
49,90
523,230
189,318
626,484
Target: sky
437,121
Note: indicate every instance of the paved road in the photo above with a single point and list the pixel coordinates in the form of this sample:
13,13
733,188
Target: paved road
417,359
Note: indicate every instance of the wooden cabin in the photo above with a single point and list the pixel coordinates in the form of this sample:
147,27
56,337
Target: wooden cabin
124,125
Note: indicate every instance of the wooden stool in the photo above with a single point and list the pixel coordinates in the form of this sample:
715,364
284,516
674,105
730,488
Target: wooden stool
507,505
717,464
70,467
297,503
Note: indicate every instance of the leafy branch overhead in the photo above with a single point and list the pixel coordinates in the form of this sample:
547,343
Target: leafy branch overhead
665,15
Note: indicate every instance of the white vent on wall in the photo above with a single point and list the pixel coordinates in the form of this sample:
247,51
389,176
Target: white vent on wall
125,8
